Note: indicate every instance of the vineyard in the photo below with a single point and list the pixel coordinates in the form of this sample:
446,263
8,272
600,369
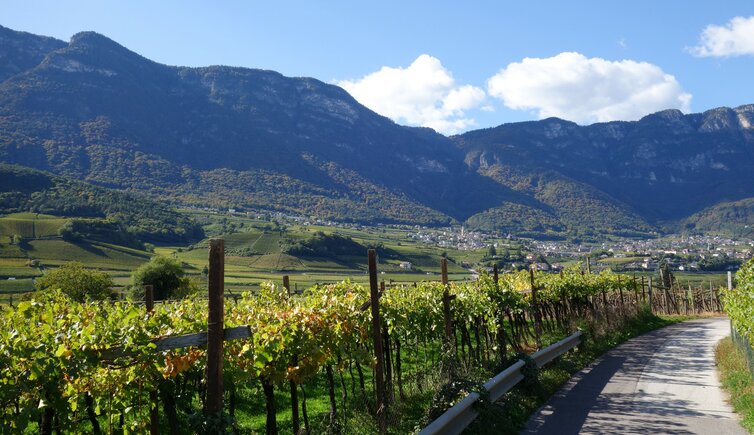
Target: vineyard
739,305
340,358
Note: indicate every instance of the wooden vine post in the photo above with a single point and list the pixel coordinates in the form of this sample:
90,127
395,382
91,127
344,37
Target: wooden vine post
643,294
620,290
446,298
215,328
154,416
295,419
374,294
495,274
537,316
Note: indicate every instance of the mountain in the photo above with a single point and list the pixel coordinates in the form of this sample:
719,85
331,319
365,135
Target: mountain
20,51
124,218
231,137
653,172
244,138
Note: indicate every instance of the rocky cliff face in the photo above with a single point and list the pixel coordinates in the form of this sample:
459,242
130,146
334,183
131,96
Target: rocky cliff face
20,51
665,166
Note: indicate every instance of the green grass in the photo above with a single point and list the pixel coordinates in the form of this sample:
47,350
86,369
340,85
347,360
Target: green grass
624,260
19,272
736,380
16,285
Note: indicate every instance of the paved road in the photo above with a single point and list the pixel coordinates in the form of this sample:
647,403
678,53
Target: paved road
661,382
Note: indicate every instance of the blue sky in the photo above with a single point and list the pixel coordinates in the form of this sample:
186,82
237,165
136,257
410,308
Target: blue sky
450,65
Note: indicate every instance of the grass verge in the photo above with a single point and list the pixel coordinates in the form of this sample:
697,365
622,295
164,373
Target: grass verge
736,380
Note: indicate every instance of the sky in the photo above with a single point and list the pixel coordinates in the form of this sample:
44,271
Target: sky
450,65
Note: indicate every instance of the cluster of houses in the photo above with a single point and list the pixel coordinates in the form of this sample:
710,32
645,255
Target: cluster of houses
680,253
451,237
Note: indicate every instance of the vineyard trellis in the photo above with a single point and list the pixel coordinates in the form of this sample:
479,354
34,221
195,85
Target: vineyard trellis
739,305
106,366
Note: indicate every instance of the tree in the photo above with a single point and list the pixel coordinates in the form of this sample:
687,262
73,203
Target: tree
164,274
491,251
77,282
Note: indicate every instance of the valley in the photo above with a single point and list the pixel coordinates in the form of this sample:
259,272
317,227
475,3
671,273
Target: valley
193,247
263,246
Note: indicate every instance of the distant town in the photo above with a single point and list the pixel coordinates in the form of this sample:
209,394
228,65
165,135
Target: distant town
693,253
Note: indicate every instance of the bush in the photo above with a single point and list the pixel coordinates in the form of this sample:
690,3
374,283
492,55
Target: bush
77,282
165,275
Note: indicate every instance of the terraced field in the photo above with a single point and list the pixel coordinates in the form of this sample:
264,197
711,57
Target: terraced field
30,225
255,255
93,254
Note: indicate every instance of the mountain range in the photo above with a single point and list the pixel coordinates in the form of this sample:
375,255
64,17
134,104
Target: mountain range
92,110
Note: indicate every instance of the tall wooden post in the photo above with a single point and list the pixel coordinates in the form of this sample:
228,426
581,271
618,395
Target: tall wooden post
154,416
588,264
649,286
448,321
215,327
287,284
643,294
377,342
620,290
292,386
535,308
495,274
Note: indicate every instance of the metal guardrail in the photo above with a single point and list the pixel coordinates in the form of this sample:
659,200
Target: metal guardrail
460,416
544,356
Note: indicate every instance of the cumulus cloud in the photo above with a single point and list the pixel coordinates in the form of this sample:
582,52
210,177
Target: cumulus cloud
424,93
584,90
734,39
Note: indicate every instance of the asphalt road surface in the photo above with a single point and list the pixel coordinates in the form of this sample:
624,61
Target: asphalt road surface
662,382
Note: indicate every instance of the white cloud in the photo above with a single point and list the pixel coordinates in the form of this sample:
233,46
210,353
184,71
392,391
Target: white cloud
734,39
424,94
584,90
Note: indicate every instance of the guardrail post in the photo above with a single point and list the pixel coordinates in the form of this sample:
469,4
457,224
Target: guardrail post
377,342
730,280
215,328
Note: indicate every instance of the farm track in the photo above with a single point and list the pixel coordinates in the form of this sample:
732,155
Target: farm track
661,382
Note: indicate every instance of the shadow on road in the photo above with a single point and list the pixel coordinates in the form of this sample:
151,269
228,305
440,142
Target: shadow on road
623,392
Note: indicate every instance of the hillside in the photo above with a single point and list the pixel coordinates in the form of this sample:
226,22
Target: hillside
728,218
229,137
103,214
661,168
242,138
